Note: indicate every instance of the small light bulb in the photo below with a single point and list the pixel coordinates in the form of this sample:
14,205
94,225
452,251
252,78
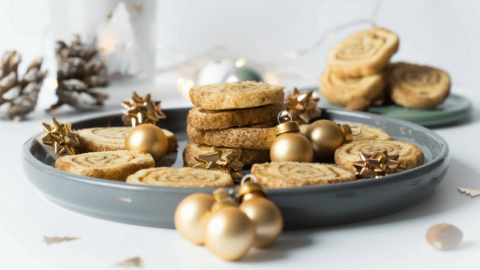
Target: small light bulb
240,62
51,83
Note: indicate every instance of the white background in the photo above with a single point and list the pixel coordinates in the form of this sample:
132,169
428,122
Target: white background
440,33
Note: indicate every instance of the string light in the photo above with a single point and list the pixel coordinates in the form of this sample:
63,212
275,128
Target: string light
51,82
240,62
271,69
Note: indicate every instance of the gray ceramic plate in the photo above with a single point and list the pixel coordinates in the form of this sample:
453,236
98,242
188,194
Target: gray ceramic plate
302,207
455,108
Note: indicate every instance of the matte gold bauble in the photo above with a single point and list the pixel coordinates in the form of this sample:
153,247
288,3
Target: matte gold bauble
290,145
325,137
191,216
267,218
229,233
148,138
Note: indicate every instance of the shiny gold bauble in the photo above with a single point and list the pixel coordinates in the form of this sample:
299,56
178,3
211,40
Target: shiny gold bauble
191,216
266,216
291,147
147,138
229,233
325,137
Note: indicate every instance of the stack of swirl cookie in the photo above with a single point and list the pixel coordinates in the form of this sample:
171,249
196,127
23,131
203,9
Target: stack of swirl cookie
359,74
234,117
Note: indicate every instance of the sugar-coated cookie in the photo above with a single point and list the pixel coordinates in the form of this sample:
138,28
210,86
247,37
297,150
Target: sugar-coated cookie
202,119
363,54
235,95
371,133
410,155
295,174
417,87
252,137
113,138
341,91
111,165
181,177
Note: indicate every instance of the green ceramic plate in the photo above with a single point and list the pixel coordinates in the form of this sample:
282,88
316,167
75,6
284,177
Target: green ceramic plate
454,109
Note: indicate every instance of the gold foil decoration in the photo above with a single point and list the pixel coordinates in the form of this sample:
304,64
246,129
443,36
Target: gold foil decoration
228,163
142,110
302,105
471,192
377,164
61,136
217,160
53,240
133,262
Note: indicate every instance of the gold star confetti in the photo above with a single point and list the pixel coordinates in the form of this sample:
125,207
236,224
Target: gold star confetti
142,110
471,192
302,105
60,136
377,164
52,240
133,262
208,161
228,163
217,160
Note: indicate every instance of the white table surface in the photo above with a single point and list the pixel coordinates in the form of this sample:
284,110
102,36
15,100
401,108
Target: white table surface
396,241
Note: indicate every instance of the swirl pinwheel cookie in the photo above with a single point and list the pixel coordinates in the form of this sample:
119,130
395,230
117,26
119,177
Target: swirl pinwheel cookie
363,54
246,156
237,95
113,138
411,156
181,177
111,165
253,137
371,133
341,91
417,87
296,174
202,119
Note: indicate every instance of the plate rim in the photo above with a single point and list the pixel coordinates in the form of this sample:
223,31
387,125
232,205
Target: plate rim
358,184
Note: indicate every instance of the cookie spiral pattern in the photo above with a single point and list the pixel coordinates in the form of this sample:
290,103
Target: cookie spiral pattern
411,156
111,165
341,91
417,87
113,138
371,133
363,54
296,174
181,177
237,95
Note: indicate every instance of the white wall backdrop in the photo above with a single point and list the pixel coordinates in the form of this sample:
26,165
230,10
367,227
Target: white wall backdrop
442,33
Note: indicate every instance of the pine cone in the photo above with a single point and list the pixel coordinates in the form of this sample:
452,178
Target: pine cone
19,97
79,72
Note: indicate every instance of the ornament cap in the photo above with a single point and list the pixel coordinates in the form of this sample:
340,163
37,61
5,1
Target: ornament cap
222,199
347,132
251,187
287,127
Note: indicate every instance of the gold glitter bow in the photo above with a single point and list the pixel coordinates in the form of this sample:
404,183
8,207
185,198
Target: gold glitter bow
217,160
377,164
302,105
60,136
142,110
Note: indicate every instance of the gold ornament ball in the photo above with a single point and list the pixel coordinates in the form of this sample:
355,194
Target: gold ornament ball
291,147
325,137
148,138
267,218
229,233
191,215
